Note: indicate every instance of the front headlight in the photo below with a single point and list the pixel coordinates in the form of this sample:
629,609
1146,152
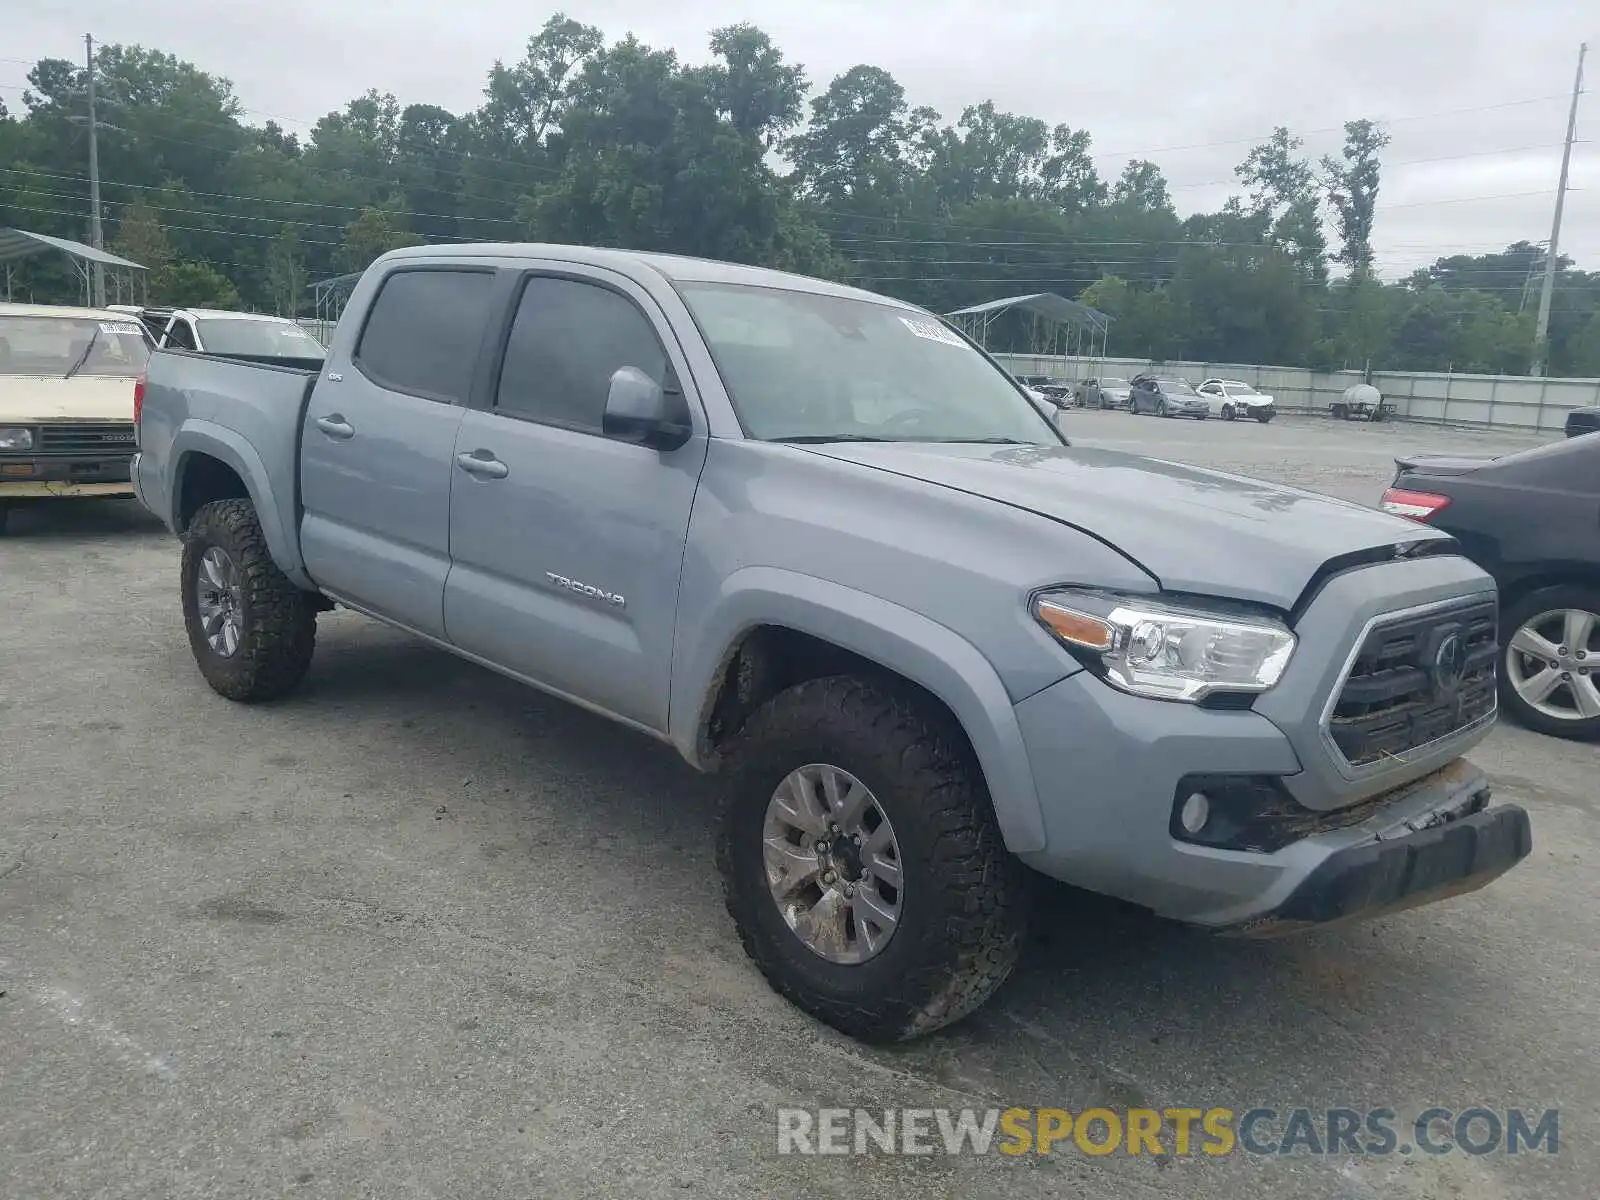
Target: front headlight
1167,652
16,439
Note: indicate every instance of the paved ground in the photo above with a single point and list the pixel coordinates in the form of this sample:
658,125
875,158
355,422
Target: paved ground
418,932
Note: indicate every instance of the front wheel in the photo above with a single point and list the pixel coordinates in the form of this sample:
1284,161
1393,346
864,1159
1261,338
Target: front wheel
1227,412
861,860
251,630
1161,408
1550,676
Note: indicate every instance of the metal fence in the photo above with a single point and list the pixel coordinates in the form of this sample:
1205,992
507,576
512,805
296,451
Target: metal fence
1488,401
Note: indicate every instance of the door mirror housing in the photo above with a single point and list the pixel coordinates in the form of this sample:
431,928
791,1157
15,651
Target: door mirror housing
641,411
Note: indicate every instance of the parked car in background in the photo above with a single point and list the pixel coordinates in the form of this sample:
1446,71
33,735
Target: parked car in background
1167,398
1233,398
1532,520
1360,400
1583,420
822,546
253,337
70,380
1106,391
1063,392
1056,391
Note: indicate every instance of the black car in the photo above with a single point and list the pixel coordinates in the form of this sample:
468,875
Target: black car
1532,520
1583,420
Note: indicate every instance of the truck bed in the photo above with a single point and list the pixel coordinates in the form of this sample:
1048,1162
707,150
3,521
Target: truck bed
254,410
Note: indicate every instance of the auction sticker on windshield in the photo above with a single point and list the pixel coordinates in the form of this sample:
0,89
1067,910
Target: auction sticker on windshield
931,330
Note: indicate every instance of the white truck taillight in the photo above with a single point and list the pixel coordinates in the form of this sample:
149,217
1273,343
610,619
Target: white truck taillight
138,402
1419,506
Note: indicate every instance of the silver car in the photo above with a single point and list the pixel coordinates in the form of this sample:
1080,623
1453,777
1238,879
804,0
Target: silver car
1167,398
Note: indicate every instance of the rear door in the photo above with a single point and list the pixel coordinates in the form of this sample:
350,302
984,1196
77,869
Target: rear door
378,444
567,545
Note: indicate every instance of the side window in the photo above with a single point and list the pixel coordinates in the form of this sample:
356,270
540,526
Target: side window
424,331
179,335
567,340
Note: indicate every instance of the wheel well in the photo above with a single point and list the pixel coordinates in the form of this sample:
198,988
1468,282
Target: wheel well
206,479
773,658
1577,574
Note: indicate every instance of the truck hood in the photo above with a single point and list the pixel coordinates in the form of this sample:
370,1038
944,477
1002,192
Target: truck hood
25,399
1194,530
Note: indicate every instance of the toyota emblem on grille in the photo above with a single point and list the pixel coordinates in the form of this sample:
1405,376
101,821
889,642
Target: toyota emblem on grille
1449,663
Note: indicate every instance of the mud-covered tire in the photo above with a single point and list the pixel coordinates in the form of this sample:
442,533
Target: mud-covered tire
963,907
278,627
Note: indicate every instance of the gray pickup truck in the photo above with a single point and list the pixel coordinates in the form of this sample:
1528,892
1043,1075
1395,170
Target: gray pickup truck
823,545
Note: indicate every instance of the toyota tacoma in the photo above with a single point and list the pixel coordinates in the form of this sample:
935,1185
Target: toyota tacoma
823,545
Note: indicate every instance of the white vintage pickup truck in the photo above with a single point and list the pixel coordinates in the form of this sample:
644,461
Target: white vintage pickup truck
68,382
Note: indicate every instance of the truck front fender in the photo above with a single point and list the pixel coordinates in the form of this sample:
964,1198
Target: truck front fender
928,654
274,510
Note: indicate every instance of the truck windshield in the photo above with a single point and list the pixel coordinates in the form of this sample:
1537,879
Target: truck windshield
258,338
46,345
805,367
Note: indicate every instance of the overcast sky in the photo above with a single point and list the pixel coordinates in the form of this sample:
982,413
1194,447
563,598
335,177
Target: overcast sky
1479,91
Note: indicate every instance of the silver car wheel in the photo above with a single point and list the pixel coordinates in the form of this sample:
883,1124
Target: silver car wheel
1552,663
833,864
219,592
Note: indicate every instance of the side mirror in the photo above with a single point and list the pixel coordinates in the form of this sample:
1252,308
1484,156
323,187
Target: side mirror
641,411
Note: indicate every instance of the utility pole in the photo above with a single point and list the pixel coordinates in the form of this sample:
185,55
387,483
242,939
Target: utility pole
97,291
1542,329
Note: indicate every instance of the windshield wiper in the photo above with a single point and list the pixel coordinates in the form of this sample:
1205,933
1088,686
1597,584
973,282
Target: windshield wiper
84,357
816,439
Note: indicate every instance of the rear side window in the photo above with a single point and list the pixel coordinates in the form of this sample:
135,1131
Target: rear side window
423,333
567,341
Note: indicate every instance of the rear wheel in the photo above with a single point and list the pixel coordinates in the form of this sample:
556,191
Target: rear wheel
1339,412
251,630
1264,417
861,861
1550,677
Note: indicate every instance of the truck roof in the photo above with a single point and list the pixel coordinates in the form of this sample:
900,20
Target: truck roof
676,267
61,310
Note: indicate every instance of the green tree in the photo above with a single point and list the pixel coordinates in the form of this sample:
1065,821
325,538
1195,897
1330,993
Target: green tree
1352,184
1142,186
140,238
1284,193
193,285
376,231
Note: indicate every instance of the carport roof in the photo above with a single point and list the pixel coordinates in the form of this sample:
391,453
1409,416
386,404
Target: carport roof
19,243
1045,304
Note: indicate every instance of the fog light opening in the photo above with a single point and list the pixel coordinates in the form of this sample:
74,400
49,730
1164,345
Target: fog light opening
1195,813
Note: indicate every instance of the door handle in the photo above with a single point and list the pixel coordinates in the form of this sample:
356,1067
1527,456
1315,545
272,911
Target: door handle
482,464
336,426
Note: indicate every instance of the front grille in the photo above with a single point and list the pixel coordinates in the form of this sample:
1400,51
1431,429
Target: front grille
1415,680
110,437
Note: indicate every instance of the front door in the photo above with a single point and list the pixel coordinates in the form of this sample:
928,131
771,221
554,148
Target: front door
378,445
566,545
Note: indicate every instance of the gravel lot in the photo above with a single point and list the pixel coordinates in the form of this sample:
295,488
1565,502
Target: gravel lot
419,932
